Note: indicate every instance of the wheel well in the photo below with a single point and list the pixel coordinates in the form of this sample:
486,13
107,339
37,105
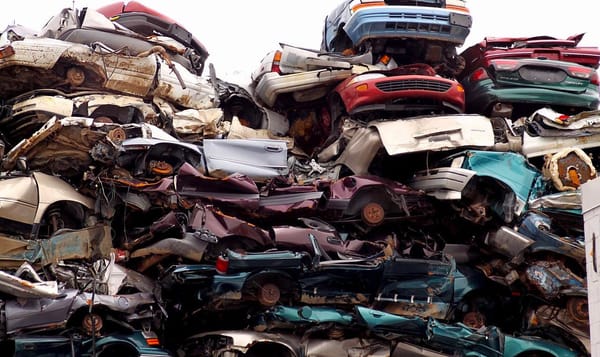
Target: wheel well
492,306
109,320
63,214
535,354
76,319
118,349
341,41
369,194
269,349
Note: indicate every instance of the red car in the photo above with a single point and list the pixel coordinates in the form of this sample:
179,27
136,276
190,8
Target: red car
546,47
408,90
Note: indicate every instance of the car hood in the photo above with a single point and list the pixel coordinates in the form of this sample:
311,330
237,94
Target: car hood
435,133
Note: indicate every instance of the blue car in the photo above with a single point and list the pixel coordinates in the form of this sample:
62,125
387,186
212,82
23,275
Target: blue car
353,22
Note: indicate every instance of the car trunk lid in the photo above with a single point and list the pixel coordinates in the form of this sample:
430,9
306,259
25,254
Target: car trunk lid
542,73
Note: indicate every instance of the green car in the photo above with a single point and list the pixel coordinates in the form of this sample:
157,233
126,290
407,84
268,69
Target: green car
132,344
517,87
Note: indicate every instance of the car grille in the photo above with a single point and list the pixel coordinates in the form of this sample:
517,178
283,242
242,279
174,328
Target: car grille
417,22
431,3
413,84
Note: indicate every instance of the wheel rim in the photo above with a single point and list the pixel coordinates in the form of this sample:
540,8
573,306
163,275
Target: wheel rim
268,294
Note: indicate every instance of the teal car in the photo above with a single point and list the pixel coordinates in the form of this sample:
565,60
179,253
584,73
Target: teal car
517,87
327,331
441,339
131,344
487,184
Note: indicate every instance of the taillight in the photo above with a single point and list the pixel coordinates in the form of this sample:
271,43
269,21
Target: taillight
594,78
222,264
276,62
153,341
505,65
580,72
478,75
121,255
151,338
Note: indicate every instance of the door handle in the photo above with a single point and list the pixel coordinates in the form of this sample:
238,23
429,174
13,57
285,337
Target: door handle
273,149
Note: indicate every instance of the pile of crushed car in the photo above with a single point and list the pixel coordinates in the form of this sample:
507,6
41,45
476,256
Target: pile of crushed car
383,195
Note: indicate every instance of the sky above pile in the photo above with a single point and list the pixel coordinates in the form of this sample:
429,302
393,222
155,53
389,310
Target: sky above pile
239,33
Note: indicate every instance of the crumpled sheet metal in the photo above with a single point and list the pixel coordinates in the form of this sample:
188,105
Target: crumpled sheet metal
552,278
243,341
548,315
13,284
28,314
198,93
87,244
239,131
194,124
425,133
190,247
567,200
60,144
568,169
360,151
111,71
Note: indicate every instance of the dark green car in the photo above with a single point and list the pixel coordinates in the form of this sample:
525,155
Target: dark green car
131,344
517,87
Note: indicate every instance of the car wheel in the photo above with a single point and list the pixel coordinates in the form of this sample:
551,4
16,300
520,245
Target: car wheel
577,307
268,294
92,323
373,214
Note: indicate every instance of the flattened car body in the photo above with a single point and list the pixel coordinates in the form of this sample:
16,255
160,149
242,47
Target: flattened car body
517,181
87,244
51,63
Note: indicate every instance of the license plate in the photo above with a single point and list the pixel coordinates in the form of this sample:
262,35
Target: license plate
461,20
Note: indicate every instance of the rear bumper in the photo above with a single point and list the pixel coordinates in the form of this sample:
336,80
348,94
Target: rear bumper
272,84
483,95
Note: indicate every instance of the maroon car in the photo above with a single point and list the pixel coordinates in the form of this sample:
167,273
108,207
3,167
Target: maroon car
408,90
546,47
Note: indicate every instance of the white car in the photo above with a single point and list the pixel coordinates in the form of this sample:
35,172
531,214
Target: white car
302,75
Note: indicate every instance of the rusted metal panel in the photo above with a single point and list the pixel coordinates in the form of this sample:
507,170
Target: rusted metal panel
85,244
89,243
51,63
198,94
